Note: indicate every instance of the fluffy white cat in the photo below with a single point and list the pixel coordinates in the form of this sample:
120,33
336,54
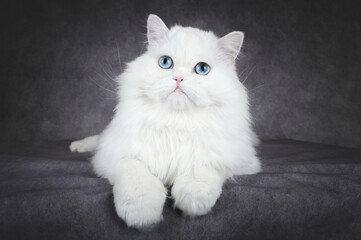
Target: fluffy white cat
182,121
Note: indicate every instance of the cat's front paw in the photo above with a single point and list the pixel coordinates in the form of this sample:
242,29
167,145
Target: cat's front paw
194,196
140,206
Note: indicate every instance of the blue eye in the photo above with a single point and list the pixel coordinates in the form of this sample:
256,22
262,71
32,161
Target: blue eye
165,62
202,68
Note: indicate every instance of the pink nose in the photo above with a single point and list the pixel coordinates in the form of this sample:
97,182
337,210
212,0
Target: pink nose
178,79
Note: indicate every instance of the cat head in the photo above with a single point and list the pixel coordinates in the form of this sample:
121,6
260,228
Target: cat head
186,67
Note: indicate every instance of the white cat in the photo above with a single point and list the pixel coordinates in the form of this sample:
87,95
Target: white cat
182,121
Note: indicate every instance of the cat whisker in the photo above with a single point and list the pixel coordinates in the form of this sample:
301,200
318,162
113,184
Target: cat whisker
120,64
111,81
112,98
243,71
104,88
106,73
250,72
255,88
111,69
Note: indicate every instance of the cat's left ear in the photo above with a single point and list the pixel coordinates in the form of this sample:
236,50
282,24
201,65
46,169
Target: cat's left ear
231,44
156,29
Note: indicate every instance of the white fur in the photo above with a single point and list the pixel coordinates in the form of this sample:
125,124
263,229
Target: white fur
192,140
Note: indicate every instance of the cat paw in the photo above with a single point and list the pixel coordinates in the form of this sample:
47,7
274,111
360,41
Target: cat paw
140,208
87,144
195,198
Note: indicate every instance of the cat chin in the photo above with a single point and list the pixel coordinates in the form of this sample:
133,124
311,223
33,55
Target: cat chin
178,100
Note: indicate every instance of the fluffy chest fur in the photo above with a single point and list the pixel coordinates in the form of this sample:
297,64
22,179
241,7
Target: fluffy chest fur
173,143
168,152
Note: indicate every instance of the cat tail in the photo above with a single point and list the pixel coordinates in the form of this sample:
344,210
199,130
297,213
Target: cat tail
87,144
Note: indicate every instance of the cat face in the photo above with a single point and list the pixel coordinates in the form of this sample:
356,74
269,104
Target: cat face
188,68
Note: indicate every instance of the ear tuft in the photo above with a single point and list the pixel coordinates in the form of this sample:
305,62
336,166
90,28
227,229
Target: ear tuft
231,44
156,29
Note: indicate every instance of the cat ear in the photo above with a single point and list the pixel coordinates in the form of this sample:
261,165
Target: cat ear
156,29
231,44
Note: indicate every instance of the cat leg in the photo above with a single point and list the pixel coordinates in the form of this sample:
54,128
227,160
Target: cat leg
138,195
87,144
195,194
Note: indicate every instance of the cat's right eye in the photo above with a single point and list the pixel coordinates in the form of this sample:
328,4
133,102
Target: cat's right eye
165,62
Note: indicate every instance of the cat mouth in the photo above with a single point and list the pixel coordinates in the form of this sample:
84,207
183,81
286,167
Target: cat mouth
178,90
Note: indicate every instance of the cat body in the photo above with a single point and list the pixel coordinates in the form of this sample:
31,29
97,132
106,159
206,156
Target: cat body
176,125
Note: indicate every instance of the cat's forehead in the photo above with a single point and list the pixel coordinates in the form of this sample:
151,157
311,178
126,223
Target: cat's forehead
190,34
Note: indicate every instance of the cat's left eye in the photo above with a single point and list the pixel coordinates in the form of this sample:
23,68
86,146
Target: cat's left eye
202,68
165,62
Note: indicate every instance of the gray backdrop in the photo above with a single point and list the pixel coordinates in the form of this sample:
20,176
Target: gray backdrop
301,60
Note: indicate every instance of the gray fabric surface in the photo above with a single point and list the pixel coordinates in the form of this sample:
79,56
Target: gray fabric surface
306,191
301,59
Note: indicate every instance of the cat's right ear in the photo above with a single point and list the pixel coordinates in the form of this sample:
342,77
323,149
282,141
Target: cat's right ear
156,29
231,44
